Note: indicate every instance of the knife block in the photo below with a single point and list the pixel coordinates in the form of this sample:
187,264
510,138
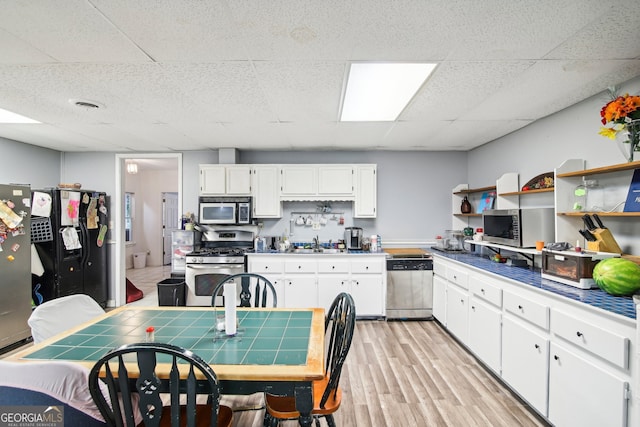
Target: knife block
604,243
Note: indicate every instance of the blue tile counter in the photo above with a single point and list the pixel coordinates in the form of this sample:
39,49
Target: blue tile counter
623,306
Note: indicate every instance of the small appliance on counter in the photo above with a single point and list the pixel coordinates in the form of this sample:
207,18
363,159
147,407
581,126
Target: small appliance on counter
572,268
353,237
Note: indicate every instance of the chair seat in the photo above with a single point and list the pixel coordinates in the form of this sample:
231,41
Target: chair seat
284,407
225,416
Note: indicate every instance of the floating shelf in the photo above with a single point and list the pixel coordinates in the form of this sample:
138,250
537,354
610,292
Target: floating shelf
520,193
469,214
614,168
611,214
476,190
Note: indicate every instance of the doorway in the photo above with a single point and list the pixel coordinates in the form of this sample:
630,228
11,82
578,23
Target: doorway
170,222
154,171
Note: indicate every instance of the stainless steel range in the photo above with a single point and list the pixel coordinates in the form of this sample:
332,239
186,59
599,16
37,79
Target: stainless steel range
221,255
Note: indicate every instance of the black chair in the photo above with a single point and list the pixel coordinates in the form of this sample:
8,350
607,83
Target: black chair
253,286
189,376
327,395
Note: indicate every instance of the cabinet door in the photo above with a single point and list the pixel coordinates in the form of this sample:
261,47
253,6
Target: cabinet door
212,179
440,299
266,192
335,180
238,180
299,180
365,192
485,332
300,291
582,394
368,294
525,362
329,286
458,312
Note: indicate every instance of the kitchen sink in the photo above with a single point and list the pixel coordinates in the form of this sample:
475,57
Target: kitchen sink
329,251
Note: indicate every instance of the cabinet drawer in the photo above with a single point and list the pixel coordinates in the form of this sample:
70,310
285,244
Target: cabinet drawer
260,266
300,266
365,266
333,266
459,277
486,291
439,269
594,339
531,311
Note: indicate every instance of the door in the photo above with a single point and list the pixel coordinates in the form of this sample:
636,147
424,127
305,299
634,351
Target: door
170,223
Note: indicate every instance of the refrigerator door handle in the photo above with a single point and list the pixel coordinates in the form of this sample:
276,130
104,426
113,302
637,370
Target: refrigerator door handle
85,243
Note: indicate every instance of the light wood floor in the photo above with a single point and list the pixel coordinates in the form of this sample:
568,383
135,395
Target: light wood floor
397,374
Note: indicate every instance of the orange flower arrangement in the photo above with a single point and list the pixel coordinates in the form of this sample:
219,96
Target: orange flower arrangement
622,114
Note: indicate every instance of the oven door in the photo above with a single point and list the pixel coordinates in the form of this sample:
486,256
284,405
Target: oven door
201,280
218,213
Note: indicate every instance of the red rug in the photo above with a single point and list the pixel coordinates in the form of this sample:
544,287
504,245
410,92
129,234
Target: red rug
133,293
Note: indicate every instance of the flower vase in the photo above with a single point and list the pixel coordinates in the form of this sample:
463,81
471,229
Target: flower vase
628,139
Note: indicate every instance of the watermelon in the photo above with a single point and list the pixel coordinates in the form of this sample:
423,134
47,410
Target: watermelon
617,276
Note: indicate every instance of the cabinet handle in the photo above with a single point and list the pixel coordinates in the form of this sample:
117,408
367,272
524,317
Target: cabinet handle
357,283
556,357
367,267
455,277
461,301
473,307
482,290
299,267
537,346
579,333
333,267
519,307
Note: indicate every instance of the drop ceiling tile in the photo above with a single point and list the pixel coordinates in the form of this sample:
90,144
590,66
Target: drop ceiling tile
70,30
13,50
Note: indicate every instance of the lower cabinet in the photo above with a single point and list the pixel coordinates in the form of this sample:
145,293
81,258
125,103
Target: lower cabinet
525,362
581,394
570,362
315,280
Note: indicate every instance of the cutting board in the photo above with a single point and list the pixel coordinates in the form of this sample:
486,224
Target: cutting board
399,252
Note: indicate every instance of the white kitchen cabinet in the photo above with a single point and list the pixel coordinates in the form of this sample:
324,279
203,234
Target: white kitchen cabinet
298,180
458,312
221,180
581,394
335,180
440,299
485,332
265,186
315,280
525,362
365,204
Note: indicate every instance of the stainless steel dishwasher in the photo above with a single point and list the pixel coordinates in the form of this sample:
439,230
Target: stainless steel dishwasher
410,287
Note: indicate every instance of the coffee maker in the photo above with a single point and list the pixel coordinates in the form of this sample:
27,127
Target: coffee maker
353,237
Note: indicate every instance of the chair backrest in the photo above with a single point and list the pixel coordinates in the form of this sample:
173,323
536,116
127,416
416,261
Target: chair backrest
58,315
188,376
59,384
339,326
254,290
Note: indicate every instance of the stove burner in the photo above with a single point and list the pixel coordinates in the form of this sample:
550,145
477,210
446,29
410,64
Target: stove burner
222,251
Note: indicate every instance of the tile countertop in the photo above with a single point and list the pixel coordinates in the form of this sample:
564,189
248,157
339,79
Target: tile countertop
623,306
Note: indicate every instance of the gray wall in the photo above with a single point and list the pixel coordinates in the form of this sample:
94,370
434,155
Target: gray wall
28,164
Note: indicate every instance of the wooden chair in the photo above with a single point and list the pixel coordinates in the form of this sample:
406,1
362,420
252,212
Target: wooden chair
261,287
339,327
59,314
189,376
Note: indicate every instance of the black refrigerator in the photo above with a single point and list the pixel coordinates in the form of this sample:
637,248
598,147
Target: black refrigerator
69,230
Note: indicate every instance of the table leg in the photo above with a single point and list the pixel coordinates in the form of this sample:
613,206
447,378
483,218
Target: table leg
304,403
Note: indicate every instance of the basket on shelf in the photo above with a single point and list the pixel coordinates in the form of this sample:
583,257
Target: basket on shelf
544,180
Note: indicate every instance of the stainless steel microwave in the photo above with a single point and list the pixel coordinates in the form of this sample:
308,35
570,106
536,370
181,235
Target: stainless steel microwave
518,227
224,210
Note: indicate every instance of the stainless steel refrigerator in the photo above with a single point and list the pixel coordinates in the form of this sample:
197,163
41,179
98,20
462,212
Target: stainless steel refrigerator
73,252
15,264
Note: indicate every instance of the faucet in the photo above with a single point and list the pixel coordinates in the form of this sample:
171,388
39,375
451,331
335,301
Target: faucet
316,244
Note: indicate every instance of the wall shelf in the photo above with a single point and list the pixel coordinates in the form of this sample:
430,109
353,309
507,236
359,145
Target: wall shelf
607,169
476,190
469,214
603,214
534,191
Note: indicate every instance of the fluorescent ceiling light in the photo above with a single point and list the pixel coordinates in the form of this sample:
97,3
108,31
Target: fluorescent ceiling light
9,117
380,91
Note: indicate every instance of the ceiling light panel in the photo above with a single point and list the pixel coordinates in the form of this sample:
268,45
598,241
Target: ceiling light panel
380,91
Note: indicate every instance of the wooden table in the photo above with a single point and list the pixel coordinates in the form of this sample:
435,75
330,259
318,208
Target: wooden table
279,351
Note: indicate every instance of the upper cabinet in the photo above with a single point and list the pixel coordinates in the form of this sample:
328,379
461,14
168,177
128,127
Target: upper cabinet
270,185
317,182
221,180
366,191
